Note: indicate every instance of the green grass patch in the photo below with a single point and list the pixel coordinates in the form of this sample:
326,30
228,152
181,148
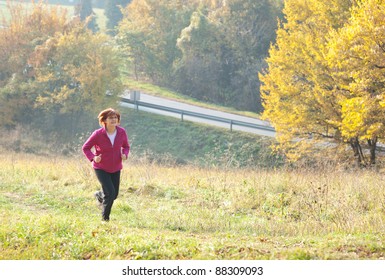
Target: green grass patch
166,139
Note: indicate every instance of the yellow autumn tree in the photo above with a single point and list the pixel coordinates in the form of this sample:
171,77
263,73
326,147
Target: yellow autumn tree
23,29
299,91
76,71
356,57
53,67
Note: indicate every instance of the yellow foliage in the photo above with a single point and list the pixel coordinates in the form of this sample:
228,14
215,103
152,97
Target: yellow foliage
326,73
354,113
48,60
78,70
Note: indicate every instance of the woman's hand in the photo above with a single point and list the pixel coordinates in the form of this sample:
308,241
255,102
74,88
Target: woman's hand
124,157
98,158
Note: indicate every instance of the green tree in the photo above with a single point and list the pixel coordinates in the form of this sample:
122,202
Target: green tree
148,33
198,70
247,28
26,29
113,13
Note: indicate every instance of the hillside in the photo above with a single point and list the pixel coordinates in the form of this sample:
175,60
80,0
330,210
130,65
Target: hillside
155,138
167,138
169,212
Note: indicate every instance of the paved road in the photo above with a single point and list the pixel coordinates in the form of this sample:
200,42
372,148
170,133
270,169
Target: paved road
187,107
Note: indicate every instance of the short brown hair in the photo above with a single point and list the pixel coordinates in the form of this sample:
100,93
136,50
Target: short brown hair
103,115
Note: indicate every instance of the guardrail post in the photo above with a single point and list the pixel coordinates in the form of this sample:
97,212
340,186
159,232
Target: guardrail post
135,97
181,115
231,125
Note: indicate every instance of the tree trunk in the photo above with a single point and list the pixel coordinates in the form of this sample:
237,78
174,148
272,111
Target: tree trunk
372,146
357,149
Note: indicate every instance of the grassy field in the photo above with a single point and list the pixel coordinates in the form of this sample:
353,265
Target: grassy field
48,212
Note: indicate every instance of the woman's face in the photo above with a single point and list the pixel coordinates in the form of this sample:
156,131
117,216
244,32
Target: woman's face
112,120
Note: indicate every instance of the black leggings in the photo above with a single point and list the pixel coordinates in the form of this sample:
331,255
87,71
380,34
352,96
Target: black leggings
110,183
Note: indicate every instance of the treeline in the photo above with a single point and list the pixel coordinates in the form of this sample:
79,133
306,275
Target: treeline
209,50
54,67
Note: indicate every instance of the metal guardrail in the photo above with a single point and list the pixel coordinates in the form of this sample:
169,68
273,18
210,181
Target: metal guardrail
183,113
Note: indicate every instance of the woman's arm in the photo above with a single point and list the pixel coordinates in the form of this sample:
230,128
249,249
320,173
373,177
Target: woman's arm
87,146
125,145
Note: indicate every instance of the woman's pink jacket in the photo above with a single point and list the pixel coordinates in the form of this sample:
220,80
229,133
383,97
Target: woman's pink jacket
111,154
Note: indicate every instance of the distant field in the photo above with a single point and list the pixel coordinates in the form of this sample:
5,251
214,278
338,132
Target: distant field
101,18
170,212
